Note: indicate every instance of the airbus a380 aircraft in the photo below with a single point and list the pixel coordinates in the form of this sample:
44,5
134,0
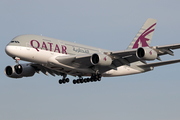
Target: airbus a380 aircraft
58,57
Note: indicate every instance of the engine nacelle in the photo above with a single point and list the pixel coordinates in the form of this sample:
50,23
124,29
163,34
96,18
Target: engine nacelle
19,71
146,53
101,59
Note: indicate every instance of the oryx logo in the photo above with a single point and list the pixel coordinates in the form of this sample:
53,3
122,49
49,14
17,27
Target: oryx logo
150,52
142,41
105,59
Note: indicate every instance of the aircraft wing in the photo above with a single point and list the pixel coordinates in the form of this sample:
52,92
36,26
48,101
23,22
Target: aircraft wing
124,57
84,60
173,46
156,64
81,64
166,49
119,58
129,56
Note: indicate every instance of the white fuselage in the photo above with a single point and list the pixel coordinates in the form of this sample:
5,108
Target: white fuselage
34,49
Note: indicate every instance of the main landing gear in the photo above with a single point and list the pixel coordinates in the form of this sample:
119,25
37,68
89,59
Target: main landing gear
93,78
64,80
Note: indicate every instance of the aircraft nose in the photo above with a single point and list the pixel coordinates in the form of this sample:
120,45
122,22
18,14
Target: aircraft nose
9,50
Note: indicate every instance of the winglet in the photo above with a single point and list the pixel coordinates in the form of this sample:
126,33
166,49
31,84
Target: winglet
144,36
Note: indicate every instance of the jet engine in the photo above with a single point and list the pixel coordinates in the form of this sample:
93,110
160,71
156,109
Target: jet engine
19,71
101,59
146,53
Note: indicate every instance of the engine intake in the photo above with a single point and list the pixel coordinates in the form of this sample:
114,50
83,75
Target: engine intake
146,53
101,59
19,71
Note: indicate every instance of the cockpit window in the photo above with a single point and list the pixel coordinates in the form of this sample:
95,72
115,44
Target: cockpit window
14,41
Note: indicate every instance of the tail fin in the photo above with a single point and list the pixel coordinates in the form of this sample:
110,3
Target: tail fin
143,37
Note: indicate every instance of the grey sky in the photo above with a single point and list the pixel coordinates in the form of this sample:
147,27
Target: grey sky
100,23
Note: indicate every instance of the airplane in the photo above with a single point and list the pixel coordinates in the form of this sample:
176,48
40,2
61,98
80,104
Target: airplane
59,57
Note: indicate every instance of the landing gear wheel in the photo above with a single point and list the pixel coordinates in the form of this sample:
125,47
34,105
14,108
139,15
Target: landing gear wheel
67,80
99,79
88,79
64,81
81,80
74,81
85,80
78,81
91,79
60,81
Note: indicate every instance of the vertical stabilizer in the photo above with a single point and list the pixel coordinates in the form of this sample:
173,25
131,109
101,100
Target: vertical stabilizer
143,37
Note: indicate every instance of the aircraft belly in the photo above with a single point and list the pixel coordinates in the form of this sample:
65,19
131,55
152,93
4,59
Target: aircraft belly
120,71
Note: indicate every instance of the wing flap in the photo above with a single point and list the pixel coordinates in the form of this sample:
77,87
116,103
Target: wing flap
156,64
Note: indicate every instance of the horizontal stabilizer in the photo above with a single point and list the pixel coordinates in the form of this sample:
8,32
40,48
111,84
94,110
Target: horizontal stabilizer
159,63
